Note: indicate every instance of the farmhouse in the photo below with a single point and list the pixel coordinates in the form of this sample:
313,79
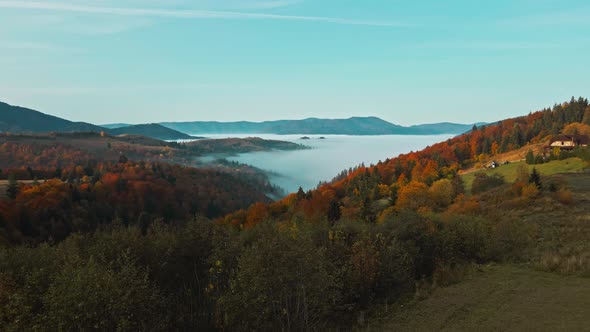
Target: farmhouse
569,142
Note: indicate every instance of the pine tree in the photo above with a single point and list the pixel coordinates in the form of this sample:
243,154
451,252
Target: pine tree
535,178
300,194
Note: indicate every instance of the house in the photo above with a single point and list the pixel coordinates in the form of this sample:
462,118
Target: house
569,142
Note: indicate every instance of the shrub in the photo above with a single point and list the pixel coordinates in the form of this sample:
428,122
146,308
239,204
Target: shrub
564,197
530,191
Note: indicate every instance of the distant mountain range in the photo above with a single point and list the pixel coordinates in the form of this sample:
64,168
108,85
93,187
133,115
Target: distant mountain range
314,126
23,120
18,119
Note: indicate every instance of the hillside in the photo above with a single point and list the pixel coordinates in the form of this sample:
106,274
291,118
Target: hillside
20,119
152,130
444,128
406,231
239,145
314,126
498,298
16,119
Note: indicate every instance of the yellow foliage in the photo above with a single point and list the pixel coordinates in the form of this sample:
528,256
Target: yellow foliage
442,192
530,191
577,129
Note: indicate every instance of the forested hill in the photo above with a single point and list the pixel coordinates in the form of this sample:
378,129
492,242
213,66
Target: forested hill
153,130
20,119
369,193
314,126
240,145
15,119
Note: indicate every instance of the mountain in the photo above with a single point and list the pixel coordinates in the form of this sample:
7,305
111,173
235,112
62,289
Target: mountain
152,130
315,126
116,125
240,145
23,120
20,119
445,128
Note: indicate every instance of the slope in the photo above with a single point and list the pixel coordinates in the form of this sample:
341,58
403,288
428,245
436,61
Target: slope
20,119
152,130
499,298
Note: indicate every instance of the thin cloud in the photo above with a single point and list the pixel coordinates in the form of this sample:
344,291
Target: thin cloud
580,16
133,88
187,14
486,45
269,4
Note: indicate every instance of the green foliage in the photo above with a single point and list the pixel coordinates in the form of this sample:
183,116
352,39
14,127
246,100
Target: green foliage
535,179
532,159
282,283
118,297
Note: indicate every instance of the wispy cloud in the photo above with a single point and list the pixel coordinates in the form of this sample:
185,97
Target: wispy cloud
36,47
580,16
485,45
114,89
268,4
187,14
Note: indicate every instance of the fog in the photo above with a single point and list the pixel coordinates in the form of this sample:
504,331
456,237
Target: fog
328,157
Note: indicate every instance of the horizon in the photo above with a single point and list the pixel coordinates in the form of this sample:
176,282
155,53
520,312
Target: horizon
262,60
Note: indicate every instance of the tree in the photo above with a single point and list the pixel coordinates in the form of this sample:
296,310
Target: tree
586,119
12,189
535,179
334,213
530,157
300,194
281,284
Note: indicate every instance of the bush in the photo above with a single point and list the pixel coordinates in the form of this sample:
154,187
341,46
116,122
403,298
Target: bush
530,191
564,197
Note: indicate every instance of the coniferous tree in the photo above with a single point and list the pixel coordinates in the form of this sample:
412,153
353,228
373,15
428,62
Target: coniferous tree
530,157
334,213
535,178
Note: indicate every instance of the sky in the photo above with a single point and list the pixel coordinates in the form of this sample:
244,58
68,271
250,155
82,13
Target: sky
408,62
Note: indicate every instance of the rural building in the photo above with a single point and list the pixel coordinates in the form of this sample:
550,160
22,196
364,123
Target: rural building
569,142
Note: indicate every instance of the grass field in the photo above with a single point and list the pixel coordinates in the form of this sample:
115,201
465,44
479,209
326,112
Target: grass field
499,298
509,171
549,292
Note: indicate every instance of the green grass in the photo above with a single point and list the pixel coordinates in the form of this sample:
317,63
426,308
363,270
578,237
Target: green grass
509,171
498,298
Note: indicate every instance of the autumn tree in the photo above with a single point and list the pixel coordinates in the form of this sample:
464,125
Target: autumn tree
442,192
413,196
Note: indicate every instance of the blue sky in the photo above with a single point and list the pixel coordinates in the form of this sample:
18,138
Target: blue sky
407,62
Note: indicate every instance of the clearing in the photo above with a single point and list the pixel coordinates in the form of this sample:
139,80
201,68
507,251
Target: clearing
508,171
500,298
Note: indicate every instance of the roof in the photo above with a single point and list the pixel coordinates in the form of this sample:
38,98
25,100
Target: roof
578,139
